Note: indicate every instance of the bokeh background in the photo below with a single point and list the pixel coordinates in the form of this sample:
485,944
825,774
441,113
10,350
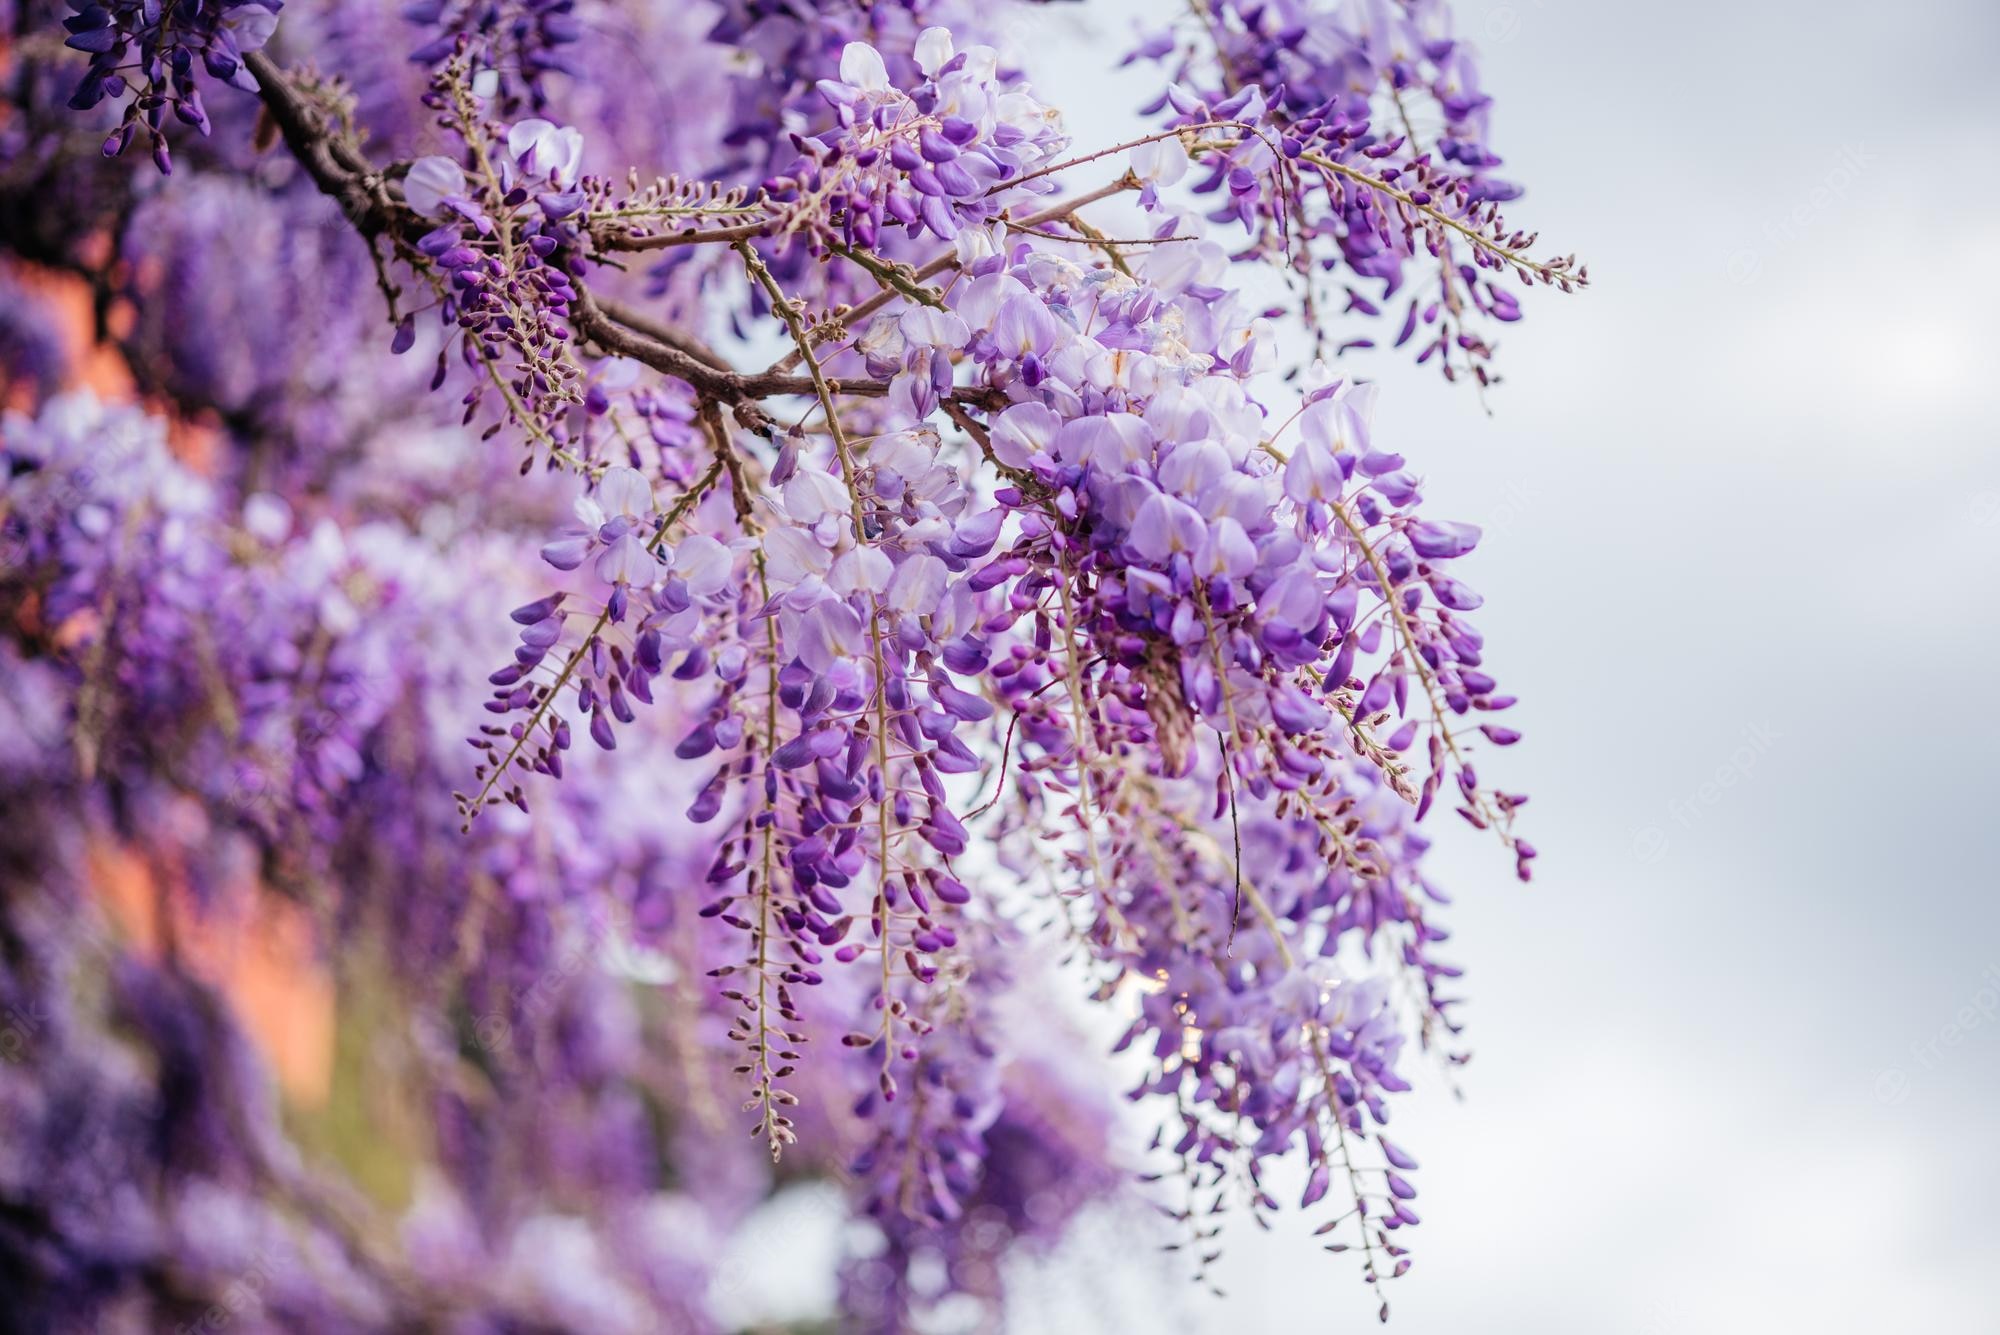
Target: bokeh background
1738,1046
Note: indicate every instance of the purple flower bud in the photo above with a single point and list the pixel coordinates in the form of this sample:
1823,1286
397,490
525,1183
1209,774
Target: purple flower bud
567,553
527,614
1437,540
600,730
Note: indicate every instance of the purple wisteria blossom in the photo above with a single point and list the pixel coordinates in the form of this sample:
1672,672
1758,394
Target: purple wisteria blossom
1361,147
946,154
971,588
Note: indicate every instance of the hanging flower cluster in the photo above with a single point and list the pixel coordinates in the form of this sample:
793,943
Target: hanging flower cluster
148,49
520,42
1361,144
947,153
299,742
495,223
940,574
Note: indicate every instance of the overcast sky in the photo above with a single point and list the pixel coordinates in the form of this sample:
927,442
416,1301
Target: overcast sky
1738,1048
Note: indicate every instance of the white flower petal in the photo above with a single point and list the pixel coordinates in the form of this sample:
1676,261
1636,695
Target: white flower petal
933,51
918,584
627,561
792,555
431,181
704,564
1162,162
861,67
812,494
625,491
860,570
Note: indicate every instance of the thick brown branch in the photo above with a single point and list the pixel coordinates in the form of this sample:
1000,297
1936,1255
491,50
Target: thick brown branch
693,236
345,175
341,173
595,322
949,259
641,323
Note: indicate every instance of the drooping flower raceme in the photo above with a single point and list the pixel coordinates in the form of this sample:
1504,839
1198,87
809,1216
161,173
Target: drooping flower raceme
941,577
1363,149
943,155
148,49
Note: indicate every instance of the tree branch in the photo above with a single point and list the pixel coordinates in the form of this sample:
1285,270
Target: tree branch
342,176
346,176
